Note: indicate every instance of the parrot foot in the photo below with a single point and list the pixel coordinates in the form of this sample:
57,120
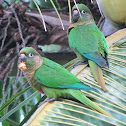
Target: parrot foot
78,63
46,100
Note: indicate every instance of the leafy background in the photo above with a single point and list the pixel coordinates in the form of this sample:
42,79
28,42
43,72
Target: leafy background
22,26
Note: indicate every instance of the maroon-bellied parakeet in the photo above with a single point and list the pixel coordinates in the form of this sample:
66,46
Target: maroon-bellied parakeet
88,42
53,79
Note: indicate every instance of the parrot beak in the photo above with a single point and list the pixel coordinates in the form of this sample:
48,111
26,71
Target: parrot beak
22,58
22,62
75,15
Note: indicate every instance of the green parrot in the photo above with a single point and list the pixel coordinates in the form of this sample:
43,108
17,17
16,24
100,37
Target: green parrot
88,42
53,79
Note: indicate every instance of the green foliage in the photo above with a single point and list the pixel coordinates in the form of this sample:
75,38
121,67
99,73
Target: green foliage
14,103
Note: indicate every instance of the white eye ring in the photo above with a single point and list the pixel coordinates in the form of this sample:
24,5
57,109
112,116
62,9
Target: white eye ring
83,11
30,55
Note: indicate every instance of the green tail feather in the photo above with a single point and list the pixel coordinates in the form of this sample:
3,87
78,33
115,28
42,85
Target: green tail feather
98,75
83,99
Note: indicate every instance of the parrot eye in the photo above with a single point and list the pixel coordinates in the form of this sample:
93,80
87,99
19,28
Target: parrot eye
30,55
83,11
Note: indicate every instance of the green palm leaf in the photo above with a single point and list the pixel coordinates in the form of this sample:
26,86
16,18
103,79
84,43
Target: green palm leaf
66,112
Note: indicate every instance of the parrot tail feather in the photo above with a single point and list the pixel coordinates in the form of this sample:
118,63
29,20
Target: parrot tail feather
98,75
86,101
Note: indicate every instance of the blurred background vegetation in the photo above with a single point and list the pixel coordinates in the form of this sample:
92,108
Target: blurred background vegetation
21,25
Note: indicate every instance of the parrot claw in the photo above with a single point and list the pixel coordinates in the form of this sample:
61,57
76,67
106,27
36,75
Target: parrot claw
46,100
78,63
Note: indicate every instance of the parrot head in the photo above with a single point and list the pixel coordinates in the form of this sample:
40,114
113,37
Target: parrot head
29,59
83,15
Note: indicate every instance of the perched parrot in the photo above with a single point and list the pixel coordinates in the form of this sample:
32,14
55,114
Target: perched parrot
53,79
88,42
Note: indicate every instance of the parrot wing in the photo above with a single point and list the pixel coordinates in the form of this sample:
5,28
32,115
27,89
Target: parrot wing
54,75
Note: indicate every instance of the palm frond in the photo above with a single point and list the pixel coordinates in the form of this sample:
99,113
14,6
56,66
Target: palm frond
57,13
41,15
